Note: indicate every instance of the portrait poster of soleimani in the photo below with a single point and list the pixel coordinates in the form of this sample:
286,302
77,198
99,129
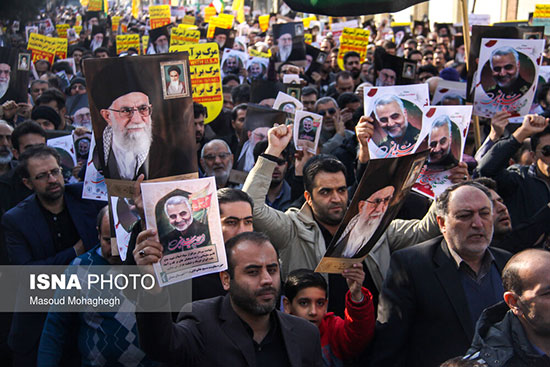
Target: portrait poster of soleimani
186,216
142,115
444,135
376,202
507,76
397,115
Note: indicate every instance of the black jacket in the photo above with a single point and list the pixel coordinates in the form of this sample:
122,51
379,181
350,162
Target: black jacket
501,341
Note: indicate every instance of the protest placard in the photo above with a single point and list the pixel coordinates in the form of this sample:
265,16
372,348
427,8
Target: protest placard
124,42
159,15
353,39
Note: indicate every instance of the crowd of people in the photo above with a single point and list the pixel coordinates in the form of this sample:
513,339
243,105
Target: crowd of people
463,280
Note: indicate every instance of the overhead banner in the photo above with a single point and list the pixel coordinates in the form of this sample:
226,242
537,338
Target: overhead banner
350,8
181,36
353,39
159,15
124,42
204,68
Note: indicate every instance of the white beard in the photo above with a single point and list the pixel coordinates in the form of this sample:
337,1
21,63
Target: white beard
221,177
136,143
5,159
4,88
360,234
162,49
284,53
94,44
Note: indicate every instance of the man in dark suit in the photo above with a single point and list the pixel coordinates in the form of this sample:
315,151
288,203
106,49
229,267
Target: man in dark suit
241,329
434,292
50,227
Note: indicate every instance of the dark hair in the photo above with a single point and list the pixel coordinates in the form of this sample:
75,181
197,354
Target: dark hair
442,201
241,94
43,61
303,278
174,68
77,48
343,75
487,182
428,69
309,90
24,128
99,218
413,52
320,163
389,44
255,237
49,95
198,110
347,97
230,195
35,152
462,362
62,66
229,77
236,109
535,139
349,54
38,81
101,49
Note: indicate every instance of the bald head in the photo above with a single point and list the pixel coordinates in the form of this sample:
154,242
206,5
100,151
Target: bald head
522,267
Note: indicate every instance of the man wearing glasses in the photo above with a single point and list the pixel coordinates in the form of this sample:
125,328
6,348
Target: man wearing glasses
128,136
217,160
50,227
363,225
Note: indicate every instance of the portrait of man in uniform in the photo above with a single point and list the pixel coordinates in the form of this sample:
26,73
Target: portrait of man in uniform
505,72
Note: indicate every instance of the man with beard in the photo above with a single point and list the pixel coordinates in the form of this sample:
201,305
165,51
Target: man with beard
352,64
6,155
159,39
333,130
217,160
174,85
242,328
255,71
5,70
505,68
363,225
440,142
396,133
284,43
187,233
231,65
82,118
63,227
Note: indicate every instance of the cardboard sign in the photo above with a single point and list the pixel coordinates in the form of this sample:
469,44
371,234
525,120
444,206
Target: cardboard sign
180,36
144,44
42,47
264,22
308,38
115,20
124,42
188,19
159,15
77,29
95,5
255,53
224,21
204,66
209,12
62,30
353,39
61,45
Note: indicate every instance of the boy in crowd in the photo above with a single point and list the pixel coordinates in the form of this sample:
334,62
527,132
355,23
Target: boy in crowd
341,339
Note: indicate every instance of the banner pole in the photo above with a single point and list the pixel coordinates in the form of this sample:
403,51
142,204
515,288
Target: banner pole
467,44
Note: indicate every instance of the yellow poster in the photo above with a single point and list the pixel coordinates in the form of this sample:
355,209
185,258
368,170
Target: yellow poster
542,11
308,38
353,39
159,15
95,5
61,46
78,20
77,29
62,30
253,52
224,21
135,8
126,41
144,44
42,47
204,68
115,20
188,19
308,20
209,11
264,22
181,36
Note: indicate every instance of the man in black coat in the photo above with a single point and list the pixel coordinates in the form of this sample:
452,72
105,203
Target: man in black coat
434,292
241,329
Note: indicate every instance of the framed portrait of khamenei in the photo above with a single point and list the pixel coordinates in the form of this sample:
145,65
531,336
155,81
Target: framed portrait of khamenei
142,115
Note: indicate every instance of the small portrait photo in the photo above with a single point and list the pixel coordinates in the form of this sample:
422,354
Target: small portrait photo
23,62
409,70
413,173
288,107
507,72
294,92
299,30
444,142
321,58
174,79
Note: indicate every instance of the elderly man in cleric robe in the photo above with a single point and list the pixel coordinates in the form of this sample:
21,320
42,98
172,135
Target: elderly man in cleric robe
187,233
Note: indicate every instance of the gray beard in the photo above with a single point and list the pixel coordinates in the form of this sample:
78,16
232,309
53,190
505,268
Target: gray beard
4,88
162,49
284,53
360,234
5,159
94,45
221,178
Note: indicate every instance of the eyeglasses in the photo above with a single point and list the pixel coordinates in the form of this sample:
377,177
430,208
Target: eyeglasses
128,112
45,175
211,157
379,201
330,111
545,150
